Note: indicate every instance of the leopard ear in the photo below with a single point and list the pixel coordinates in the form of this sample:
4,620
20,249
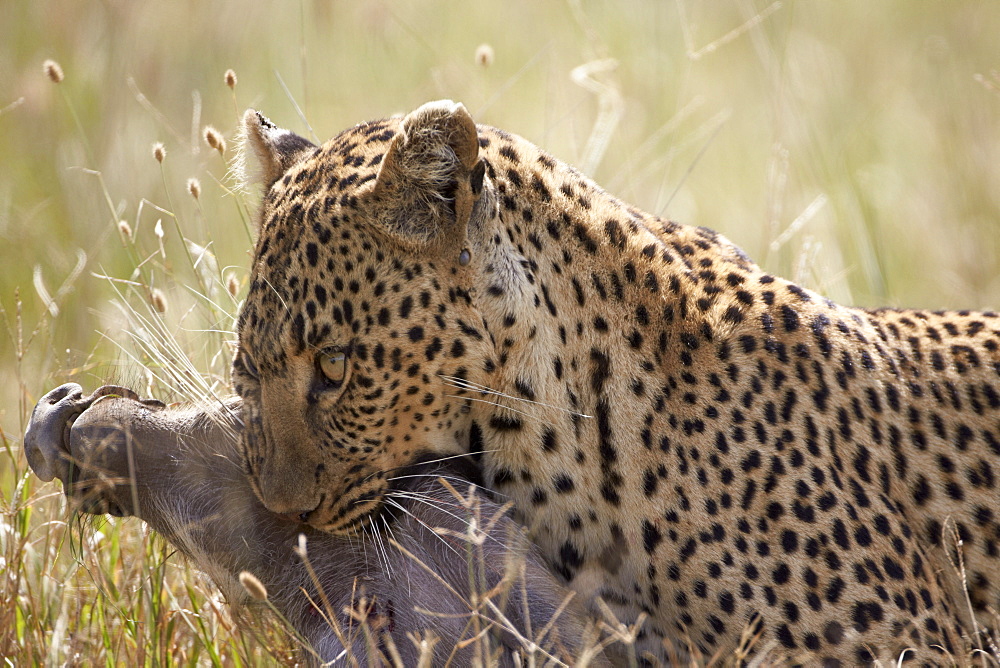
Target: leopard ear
431,174
274,149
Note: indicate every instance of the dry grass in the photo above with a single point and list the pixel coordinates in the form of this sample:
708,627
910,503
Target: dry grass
851,146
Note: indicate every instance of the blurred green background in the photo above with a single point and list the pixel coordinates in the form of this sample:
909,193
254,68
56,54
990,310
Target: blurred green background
870,128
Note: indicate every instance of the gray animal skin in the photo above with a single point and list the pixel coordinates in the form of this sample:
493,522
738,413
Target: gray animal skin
179,470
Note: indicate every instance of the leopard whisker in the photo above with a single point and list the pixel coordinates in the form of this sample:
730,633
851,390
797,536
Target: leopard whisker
393,542
356,534
434,503
422,463
464,384
388,528
420,497
391,536
435,476
419,521
379,545
499,405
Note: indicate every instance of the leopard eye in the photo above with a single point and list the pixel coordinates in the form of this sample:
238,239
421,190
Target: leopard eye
333,364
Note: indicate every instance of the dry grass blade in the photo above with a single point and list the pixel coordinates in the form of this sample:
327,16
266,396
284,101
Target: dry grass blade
716,44
610,109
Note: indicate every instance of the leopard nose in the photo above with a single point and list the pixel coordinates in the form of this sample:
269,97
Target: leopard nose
44,439
285,492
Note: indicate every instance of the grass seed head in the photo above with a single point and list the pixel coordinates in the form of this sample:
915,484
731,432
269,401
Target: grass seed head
194,187
215,139
159,152
484,55
232,285
158,300
53,71
231,78
125,229
254,587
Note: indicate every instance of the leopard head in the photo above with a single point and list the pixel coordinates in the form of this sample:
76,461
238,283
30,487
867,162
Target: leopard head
358,323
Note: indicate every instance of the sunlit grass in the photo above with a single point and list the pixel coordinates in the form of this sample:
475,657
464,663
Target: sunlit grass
851,146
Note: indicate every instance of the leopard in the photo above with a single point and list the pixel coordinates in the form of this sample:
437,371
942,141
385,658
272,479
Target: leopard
701,449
